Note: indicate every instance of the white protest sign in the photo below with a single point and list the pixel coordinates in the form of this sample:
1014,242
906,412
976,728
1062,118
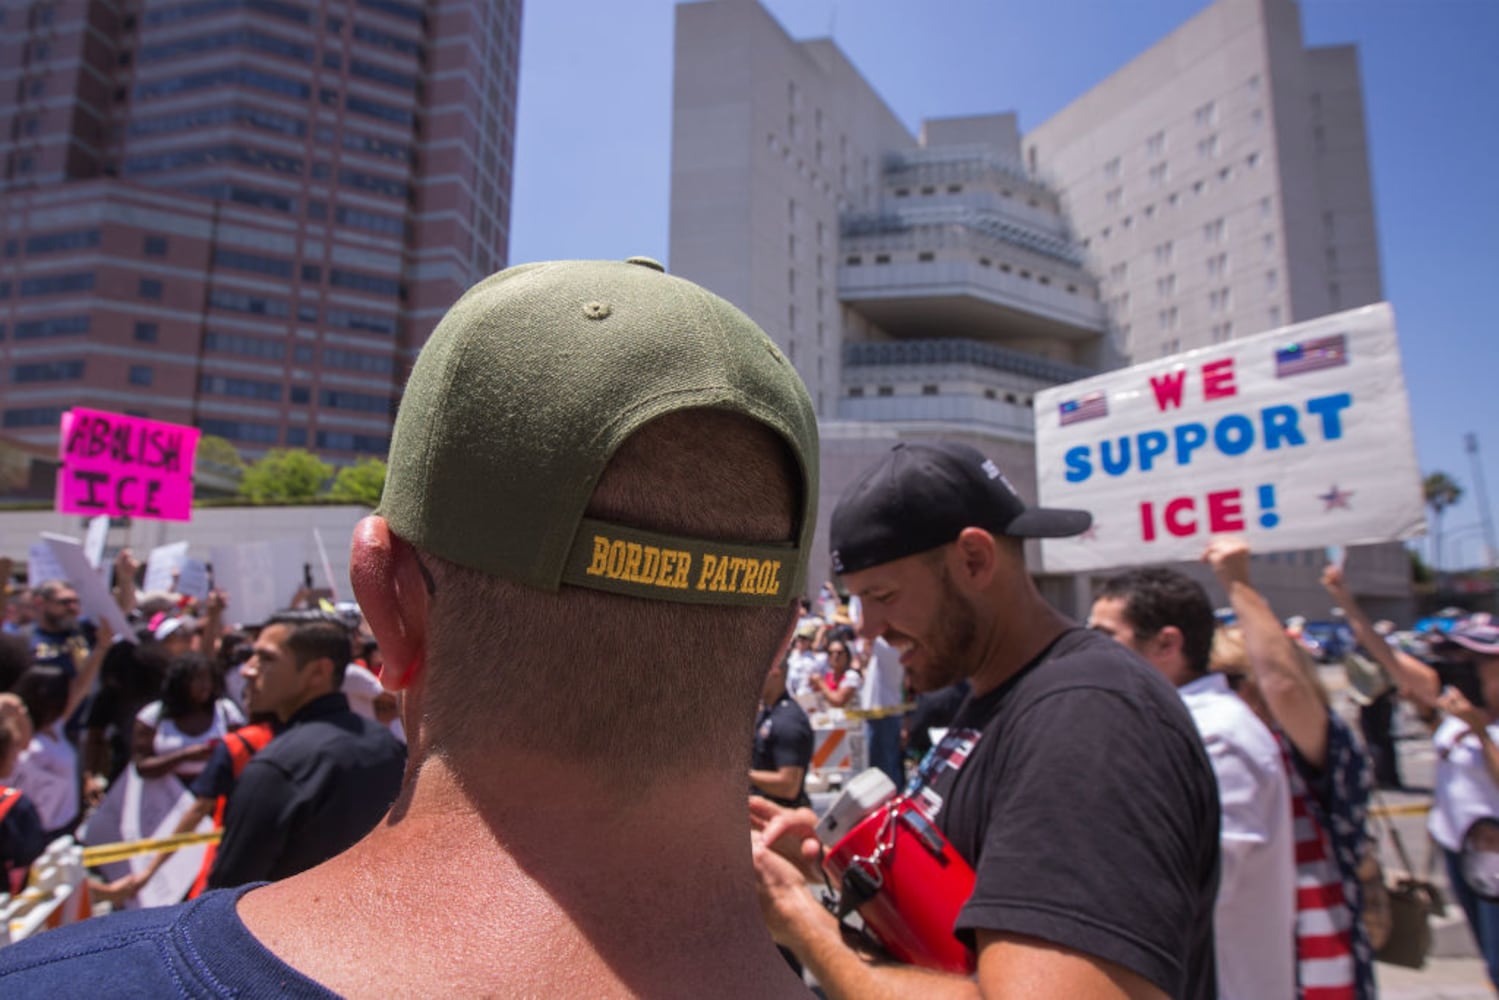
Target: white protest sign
137,808
93,541
93,594
259,578
1297,438
162,566
193,580
42,565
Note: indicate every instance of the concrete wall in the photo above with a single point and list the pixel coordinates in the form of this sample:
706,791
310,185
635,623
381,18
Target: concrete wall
210,527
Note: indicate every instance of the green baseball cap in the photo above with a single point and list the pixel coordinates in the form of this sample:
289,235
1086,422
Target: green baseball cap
523,393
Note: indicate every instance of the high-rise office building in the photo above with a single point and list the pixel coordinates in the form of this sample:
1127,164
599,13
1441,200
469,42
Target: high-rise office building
244,214
927,285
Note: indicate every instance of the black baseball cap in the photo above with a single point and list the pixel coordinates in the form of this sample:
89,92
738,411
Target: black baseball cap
920,496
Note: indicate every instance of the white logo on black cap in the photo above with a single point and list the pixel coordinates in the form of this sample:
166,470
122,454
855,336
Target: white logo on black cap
991,470
837,562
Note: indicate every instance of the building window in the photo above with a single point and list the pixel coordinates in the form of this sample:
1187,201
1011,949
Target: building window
1163,252
1218,300
1207,148
312,273
1166,287
296,437
301,394
155,246
149,288
930,390
57,284
141,374
882,258
145,332
1212,232
1217,265
926,255
1205,114
1112,196
1272,280
1111,168
885,390
1156,144
47,371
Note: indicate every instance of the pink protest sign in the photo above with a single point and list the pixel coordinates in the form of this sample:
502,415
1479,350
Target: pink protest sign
121,465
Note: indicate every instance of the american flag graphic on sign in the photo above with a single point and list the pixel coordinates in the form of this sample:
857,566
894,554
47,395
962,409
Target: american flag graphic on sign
1311,355
1089,407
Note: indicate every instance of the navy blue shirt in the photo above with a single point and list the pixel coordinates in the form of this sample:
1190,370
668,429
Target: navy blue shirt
319,786
194,949
783,737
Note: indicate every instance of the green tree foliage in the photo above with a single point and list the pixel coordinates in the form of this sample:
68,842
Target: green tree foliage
360,483
217,451
285,475
1441,491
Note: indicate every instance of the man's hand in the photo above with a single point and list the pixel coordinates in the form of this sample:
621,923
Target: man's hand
126,567
1456,704
1228,555
1333,581
791,833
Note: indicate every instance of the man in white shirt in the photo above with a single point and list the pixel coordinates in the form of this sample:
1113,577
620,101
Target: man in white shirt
883,698
1167,618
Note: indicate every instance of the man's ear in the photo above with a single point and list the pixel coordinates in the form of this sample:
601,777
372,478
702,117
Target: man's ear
1169,640
391,588
976,558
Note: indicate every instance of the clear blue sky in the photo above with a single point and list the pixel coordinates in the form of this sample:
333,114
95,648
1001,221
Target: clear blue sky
593,148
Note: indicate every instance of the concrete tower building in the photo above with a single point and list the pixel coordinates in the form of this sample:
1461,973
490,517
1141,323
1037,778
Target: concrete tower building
923,286
1220,181
927,286
244,214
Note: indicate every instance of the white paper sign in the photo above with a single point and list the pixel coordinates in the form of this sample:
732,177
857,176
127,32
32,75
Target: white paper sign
164,562
259,578
93,541
42,565
93,594
1297,438
193,580
136,808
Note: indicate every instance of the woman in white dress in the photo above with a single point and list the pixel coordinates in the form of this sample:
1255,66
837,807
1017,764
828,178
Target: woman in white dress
176,734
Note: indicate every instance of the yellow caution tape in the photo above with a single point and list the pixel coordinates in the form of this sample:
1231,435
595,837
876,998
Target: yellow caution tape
105,854
1403,809
878,713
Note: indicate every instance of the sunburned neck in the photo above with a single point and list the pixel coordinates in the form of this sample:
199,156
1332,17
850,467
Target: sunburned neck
1018,636
514,884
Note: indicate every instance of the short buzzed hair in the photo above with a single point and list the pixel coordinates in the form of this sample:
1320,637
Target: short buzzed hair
634,686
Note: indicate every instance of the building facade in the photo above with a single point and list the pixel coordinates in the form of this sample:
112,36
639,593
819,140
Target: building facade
928,285
245,215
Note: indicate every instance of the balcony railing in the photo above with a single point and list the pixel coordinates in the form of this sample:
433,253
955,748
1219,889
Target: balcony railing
987,224
960,352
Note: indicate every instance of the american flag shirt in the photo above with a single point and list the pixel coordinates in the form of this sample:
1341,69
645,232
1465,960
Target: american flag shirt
1333,958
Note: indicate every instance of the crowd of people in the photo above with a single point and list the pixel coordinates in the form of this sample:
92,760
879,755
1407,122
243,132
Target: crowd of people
187,703
590,456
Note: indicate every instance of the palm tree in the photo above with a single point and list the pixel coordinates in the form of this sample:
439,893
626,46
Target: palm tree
1441,492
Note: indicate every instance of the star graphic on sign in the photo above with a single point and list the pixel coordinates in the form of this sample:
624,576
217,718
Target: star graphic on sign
1335,499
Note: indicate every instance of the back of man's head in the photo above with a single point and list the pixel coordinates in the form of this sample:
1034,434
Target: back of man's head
1156,597
610,477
